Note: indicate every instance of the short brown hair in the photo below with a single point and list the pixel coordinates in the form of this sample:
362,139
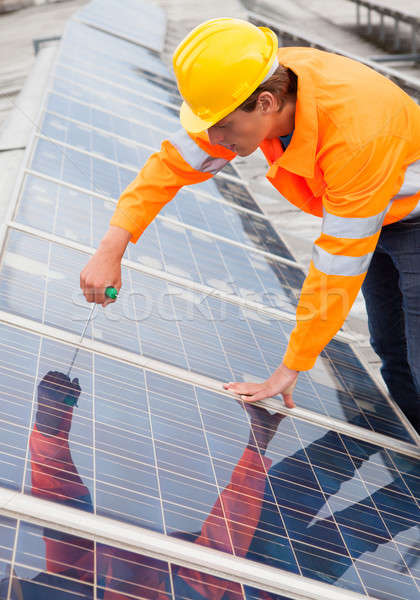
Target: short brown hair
282,82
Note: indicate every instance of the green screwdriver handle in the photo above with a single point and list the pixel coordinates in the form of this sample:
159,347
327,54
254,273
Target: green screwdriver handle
111,292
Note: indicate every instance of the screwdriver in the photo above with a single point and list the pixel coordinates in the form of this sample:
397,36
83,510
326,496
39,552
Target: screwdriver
111,292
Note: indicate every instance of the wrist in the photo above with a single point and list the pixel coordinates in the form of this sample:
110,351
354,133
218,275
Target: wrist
284,371
288,370
252,446
115,241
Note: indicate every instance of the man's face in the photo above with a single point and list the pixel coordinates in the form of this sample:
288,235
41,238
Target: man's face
239,131
243,131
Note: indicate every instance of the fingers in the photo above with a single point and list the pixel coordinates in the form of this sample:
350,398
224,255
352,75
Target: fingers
255,397
240,387
252,392
107,300
97,275
249,392
93,291
261,395
287,395
76,387
96,293
288,400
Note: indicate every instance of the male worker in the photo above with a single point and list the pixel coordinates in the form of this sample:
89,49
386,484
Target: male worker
343,143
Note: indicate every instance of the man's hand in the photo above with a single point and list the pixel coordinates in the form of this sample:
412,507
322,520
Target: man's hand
58,387
282,381
104,268
56,394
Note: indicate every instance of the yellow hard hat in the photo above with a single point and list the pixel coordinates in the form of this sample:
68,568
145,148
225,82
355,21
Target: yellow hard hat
218,65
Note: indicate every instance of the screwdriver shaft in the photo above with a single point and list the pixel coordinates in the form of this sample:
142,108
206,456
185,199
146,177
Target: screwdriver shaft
92,310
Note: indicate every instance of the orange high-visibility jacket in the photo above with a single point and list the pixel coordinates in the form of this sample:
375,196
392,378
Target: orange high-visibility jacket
354,160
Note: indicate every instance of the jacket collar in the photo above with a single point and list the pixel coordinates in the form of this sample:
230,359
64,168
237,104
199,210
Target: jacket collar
300,154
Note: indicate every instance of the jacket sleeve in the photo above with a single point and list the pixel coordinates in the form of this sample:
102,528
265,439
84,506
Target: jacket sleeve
231,523
54,476
183,159
355,201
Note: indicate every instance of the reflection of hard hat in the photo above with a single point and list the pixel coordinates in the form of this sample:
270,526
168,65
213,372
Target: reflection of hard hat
218,65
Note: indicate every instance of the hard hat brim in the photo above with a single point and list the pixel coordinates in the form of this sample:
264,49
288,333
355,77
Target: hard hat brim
191,122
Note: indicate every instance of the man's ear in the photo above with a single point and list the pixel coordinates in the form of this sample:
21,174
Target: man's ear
267,102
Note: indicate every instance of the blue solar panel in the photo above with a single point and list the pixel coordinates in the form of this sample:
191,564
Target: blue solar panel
87,45
164,245
83,137
185,328
141,22
168,456
114,60
98,175
116,106
39,195
230,191
56,128
112,122
136,77
201,211
159,89
148,95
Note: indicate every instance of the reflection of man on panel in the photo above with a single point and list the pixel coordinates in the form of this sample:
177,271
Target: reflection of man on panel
343,143
123,574
244,519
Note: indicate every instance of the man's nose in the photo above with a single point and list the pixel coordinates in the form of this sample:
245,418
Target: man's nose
215,137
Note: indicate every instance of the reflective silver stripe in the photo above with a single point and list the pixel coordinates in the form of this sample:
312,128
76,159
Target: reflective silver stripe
351,227
414,213
272,69
361,227
411,183
192,153
410,187
335,264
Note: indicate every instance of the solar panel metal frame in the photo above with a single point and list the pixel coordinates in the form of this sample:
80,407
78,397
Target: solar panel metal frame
157,545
